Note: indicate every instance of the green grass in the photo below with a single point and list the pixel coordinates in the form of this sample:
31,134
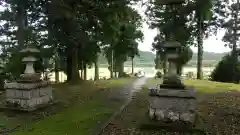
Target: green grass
80,119
210,86
203,85
82,109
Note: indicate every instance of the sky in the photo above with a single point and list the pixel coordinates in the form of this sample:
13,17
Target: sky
210,44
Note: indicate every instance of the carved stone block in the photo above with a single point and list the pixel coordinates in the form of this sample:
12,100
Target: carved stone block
25,96
173,105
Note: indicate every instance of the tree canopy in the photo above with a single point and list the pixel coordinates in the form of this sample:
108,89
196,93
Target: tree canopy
74,30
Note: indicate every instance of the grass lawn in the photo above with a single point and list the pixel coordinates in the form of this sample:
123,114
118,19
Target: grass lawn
203,85
81,109
218,109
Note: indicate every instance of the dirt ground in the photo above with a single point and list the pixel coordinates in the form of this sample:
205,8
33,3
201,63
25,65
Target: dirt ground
218,114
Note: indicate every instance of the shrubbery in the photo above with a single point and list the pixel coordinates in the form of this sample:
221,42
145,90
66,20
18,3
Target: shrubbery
223,71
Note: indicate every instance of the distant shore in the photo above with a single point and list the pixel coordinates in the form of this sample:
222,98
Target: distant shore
149,72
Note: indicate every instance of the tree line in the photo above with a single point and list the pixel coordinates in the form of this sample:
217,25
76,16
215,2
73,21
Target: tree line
72,33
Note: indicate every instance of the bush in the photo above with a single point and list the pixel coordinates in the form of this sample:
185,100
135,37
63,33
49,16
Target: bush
158,75
223,71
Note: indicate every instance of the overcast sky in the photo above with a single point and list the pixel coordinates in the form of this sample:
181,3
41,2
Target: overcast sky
211,44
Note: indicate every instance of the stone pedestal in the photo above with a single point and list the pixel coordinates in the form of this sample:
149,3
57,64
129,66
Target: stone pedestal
172,105
27,96
29,92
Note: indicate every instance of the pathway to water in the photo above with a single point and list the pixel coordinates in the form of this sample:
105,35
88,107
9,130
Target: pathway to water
125,93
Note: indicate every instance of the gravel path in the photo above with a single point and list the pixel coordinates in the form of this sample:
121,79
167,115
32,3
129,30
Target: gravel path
124,93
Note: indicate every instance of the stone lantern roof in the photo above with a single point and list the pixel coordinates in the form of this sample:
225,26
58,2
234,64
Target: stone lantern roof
169,2
30,49
172,44
29,59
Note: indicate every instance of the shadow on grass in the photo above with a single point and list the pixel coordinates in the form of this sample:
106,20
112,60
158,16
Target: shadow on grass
81,109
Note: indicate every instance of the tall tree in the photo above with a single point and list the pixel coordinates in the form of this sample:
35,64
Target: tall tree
232,27
202,15
172,24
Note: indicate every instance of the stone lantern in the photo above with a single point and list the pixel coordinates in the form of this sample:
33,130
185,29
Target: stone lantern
29,92
172,101
29,57
171,79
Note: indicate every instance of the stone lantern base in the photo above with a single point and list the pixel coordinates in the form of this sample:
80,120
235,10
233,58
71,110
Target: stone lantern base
172,82
172,105
27,96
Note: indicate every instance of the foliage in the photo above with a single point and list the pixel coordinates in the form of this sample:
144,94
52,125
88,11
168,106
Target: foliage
185,56
158,74
71,29
172,24
223,71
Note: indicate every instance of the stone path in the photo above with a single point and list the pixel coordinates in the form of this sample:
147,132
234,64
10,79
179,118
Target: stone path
125,93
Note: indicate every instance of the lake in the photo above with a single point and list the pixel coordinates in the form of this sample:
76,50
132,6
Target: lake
149,72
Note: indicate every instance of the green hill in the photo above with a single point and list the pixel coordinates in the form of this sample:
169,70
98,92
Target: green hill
210,56
144,59
147,59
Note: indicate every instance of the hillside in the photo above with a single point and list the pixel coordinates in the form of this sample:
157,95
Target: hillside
147,59
210,56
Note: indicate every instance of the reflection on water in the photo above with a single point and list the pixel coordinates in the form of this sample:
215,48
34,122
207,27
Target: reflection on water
149,72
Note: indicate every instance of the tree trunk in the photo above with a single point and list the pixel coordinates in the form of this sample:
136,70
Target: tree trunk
165,66
69,64
132,66
82,69
85,72
200,49
116,74
72,63
121,69
96,76
112,65
234,48
75,64
22,25
56,71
